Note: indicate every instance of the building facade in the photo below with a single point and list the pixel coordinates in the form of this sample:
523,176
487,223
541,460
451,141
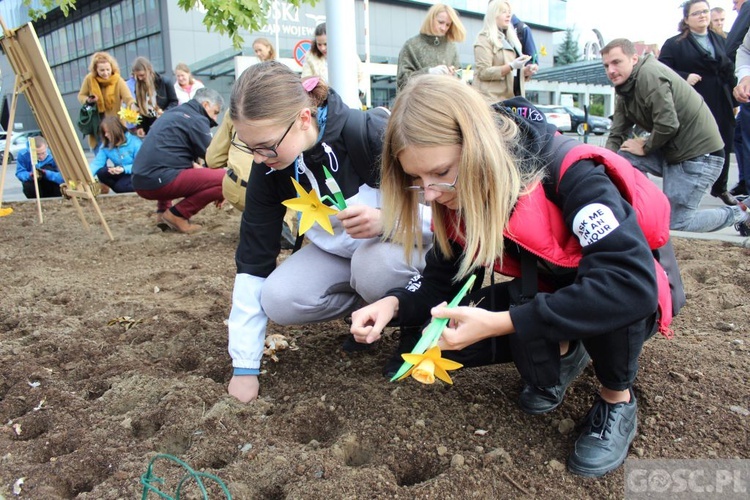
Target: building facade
167,35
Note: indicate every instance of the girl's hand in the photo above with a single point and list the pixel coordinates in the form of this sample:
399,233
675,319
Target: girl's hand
244,387
115,170
361,221
469,325
368,322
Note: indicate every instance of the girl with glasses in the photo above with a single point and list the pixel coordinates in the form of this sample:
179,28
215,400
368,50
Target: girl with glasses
294,128
569,236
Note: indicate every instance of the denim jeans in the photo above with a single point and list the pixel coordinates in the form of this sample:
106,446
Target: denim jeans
685,184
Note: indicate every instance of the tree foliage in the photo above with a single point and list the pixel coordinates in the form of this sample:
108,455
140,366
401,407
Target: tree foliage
227,17
568,52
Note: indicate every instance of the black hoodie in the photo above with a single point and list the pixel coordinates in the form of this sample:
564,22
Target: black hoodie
615,283
262,219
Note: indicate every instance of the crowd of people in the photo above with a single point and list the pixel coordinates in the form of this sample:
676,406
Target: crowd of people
430,195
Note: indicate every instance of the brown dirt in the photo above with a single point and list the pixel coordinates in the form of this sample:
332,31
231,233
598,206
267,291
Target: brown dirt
85,406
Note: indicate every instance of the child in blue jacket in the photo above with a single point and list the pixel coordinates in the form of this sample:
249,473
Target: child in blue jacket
120,148
49,177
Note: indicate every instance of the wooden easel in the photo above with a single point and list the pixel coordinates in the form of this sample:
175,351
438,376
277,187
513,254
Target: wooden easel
34,79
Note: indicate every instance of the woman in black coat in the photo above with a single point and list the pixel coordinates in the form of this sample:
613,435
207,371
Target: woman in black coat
699,56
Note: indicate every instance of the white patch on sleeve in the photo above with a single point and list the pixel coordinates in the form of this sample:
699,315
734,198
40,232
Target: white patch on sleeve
594,222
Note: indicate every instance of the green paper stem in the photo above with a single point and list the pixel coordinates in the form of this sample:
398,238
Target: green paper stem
333,186
432,333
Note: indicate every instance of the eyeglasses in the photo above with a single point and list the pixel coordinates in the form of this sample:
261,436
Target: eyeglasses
441,187
700,13
269,152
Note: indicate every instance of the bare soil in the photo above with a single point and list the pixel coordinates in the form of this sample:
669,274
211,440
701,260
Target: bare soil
114,352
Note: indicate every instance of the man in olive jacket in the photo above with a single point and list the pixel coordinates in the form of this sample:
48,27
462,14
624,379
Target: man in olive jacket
684,146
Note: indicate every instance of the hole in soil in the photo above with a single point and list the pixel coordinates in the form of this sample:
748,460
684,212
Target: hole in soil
357,454
174,443
56,446
146,425
31,427
95,389
188,360
416,468
315,424
274,492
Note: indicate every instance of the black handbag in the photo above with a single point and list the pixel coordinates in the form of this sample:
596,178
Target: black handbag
88,120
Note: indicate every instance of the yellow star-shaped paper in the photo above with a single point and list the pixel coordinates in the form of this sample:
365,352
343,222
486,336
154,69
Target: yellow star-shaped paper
130,116
429,365
313,210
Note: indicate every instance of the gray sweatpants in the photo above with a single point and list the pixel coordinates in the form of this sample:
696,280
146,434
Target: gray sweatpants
313,285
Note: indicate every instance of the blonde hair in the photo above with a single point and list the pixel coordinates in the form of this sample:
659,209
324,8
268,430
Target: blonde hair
144,90
271,91
456,33
489,183
185,69
103,57
267,43
491,31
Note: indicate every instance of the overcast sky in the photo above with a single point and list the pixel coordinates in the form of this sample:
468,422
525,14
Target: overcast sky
651,21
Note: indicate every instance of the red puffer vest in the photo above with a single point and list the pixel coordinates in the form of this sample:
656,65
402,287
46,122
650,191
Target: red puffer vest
537,224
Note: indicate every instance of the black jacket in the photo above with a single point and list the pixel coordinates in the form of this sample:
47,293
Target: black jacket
178,138
614,285
262,219
739,30
685,56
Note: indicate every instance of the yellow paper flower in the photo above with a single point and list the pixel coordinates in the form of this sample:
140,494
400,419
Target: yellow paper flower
313,210
130,116
427,366
543,50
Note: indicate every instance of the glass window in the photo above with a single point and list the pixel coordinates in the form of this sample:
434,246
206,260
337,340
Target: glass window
128,20
142,47
55,37
57,74
70,34
141,27
125,63
64,53
80,45
88,38
106,21
82,69
96,32
65,85
153,20
117,26
131,52
156,53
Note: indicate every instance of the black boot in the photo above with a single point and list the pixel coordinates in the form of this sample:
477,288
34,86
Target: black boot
739,189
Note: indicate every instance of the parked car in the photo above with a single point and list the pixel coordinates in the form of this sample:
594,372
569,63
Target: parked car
557,116
597,124
18,142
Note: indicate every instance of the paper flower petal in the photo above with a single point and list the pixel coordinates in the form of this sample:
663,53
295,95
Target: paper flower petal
312,209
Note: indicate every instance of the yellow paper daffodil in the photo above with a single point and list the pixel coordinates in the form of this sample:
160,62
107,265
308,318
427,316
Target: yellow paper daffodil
543,50
130,116
313,210
429,365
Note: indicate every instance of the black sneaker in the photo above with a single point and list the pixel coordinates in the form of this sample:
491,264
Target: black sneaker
350,345
408,339
607,433
537,400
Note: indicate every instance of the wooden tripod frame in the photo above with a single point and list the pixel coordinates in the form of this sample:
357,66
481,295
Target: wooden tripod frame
34,78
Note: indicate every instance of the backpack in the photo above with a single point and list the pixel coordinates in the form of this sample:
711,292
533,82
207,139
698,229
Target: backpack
88,119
